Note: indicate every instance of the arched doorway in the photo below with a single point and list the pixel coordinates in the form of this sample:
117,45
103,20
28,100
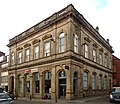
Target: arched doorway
62,84
11,84
36,82
27,85
75,83
47,83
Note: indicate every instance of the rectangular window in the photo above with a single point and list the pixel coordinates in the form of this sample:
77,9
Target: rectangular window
19,57
12,58
93,82
27,53
85,80
100,59
75,43
36,52
94,55
105,62
47,49
61,43
86,51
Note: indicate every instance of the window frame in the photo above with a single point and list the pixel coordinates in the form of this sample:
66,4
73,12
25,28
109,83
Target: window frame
61,43
85,80
86,51
75,43
20,58
47,50
36,54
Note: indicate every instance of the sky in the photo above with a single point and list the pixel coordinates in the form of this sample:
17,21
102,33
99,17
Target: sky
17,16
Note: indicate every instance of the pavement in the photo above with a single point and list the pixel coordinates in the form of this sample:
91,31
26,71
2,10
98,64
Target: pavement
64,101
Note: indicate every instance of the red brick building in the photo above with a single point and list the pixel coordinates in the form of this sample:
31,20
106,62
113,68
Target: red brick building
116,71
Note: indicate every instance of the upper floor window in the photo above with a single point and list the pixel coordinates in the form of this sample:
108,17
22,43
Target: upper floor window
105,62
12,58
85,80
27,53
100,59
62,42
19,57
36,52
86,50
94,55
75,43
47,49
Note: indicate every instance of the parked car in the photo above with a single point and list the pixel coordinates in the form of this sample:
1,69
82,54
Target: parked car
11,95
5,98
115,94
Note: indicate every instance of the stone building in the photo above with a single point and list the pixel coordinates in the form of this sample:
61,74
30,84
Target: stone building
1,59
62,56
116,71
4,73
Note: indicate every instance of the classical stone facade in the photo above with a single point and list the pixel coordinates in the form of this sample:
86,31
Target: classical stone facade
62,56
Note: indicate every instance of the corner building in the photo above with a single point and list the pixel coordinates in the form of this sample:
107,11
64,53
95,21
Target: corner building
63,56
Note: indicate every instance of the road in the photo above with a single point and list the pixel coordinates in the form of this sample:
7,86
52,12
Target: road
104,100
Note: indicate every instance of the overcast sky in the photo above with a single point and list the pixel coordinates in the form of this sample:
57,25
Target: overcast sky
18,15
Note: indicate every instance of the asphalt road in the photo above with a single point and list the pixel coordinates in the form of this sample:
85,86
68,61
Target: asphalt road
104,100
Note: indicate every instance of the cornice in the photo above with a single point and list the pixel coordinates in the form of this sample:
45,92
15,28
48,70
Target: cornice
69,11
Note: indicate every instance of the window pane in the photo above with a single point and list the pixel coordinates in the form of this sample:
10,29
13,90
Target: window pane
61,42
47,49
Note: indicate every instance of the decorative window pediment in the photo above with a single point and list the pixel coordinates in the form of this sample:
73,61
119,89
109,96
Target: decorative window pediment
101,49
87,39
106,54
95,45
19,48
47,37
35,41
27,45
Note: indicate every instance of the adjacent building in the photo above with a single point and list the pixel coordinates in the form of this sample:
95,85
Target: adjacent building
4,73
116,71
62,56
2,54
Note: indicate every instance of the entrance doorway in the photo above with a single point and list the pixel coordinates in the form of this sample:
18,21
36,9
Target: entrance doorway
62,84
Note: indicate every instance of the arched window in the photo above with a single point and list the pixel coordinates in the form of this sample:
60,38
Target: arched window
85,80
62,42
20,83
75,83
28,83
75,43
100,82
93,81
105,83
47,79
36,80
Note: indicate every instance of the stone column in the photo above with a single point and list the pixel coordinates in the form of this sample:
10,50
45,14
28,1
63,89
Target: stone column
53,83
41,85
23,86
9,83
69,84
31,85
15,85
